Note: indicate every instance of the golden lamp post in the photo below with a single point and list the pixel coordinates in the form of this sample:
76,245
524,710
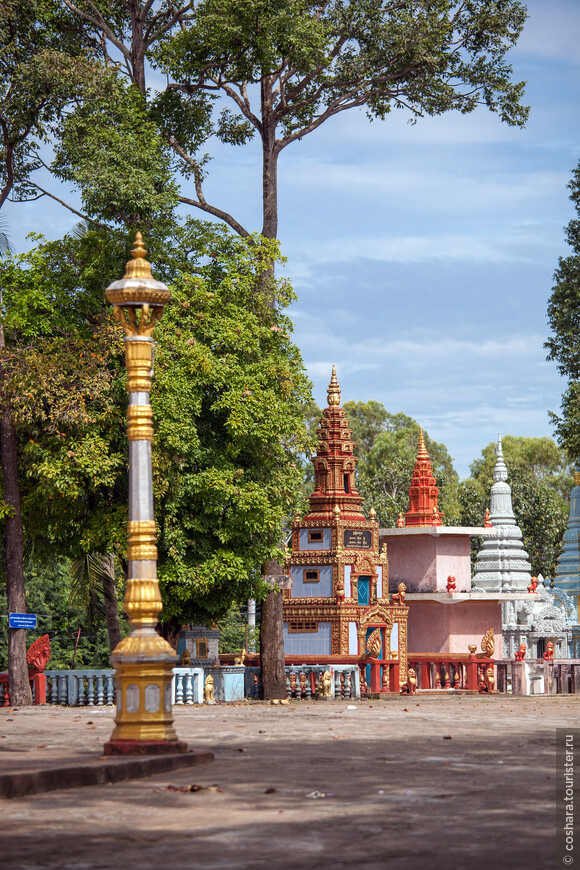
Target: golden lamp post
143,661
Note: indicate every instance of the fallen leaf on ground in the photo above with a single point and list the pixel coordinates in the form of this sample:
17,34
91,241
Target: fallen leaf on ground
241,750
270,791
316,794
447,737
41,746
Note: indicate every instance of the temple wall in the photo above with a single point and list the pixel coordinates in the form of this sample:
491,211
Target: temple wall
424,562
450,628
308,642
319,589
325,544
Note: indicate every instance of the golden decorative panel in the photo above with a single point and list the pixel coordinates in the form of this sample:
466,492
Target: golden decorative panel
139,423
142,541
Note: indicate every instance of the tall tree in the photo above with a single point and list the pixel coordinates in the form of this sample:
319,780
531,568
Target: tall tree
279,71
564,318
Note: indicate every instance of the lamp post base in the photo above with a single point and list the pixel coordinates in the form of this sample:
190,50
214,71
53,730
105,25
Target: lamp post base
145,747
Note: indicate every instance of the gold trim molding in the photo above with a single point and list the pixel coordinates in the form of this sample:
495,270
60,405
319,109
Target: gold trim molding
142,539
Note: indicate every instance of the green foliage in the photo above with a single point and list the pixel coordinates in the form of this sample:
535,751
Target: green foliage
110,150
228,389
537,459
429,57
48,594
47,62
564,318
387,450
236,634
278,70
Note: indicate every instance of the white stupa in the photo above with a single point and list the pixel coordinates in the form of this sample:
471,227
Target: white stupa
502,563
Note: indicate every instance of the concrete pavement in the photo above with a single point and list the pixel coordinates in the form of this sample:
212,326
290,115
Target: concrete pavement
432,782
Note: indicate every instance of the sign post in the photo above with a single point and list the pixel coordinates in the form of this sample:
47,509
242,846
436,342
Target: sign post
22,620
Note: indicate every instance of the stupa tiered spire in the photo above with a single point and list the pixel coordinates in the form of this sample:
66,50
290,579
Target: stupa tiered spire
423,493
334,463
502,563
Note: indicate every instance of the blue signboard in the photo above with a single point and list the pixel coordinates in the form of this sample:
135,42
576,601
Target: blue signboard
22,620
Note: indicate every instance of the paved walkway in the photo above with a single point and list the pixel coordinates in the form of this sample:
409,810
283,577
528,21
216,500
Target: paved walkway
432,783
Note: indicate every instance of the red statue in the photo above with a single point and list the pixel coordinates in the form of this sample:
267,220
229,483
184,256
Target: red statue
38,655
549,654
410,687
451,586
400,521
533,585
399,596
487,522
521,653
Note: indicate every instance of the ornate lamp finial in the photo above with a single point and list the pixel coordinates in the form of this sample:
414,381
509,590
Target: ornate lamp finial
138,267
333,389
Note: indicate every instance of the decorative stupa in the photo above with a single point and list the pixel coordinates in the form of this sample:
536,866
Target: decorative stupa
567,577
502,563
338,603
423,493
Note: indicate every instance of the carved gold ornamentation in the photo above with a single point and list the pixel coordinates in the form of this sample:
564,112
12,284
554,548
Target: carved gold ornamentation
139,423
142,538
137,286
487,645
239,660
333,389
410,687
373,643
142,602
139,360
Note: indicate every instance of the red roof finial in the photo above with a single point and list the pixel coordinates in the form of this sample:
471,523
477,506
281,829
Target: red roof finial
423,492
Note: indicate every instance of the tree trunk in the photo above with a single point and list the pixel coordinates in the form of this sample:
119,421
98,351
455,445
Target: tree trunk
111,607
272,641
18,682
171,630
269,163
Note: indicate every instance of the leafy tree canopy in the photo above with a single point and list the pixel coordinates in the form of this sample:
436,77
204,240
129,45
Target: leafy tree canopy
564,319
536,459
228,389
277,71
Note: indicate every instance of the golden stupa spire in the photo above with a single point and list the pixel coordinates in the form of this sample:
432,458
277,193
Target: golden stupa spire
333,389
138,267
422,449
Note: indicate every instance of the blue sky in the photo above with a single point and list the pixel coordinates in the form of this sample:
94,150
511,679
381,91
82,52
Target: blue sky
423,254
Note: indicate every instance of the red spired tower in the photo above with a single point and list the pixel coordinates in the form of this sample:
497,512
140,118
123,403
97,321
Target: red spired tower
337,608
423,493
334,465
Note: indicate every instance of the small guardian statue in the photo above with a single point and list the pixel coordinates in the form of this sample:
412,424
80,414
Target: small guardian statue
208,697
410,687
399,595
